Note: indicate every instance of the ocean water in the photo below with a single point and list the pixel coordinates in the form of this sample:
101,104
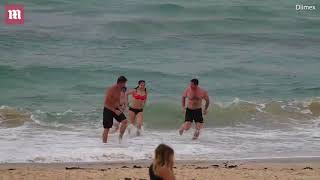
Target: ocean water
259,61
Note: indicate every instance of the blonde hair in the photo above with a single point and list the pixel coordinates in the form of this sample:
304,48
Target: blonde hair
163,157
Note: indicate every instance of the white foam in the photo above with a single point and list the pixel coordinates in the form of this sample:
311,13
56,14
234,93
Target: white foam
262,105
34,119
65,112
26,144
236,100
306,111
4,107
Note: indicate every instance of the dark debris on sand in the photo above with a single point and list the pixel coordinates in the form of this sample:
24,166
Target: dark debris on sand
75,168
232,166
135,166
71,168
201,167
226,165
310,168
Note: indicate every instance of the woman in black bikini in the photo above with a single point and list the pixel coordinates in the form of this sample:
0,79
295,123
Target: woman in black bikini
138,100
162,166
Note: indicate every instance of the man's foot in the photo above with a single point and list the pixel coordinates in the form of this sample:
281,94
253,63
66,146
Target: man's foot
181,132
194,138
129,129
196,135
120,139
138,132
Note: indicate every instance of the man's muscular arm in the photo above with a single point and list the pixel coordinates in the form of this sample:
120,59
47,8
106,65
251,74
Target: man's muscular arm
183,100
206,98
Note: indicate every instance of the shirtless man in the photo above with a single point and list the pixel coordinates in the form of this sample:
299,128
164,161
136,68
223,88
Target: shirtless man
193,111
112,109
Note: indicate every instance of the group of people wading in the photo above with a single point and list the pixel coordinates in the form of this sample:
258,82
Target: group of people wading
116,102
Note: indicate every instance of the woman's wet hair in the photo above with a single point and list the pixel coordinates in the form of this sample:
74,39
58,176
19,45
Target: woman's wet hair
163,156
141,81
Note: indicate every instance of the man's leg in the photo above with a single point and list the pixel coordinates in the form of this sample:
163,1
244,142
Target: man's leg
188,118
123,124
115,127
185,127
107,124
123,127
105,135
196,134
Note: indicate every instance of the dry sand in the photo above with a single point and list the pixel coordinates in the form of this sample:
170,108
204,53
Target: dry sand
284,169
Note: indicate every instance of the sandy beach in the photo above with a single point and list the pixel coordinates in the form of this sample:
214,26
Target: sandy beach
306,169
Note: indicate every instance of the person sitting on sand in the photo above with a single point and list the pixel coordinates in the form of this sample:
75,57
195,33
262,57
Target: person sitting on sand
162,166
138,100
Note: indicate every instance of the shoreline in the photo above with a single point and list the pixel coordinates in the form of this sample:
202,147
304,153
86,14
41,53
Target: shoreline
278,160
283,168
